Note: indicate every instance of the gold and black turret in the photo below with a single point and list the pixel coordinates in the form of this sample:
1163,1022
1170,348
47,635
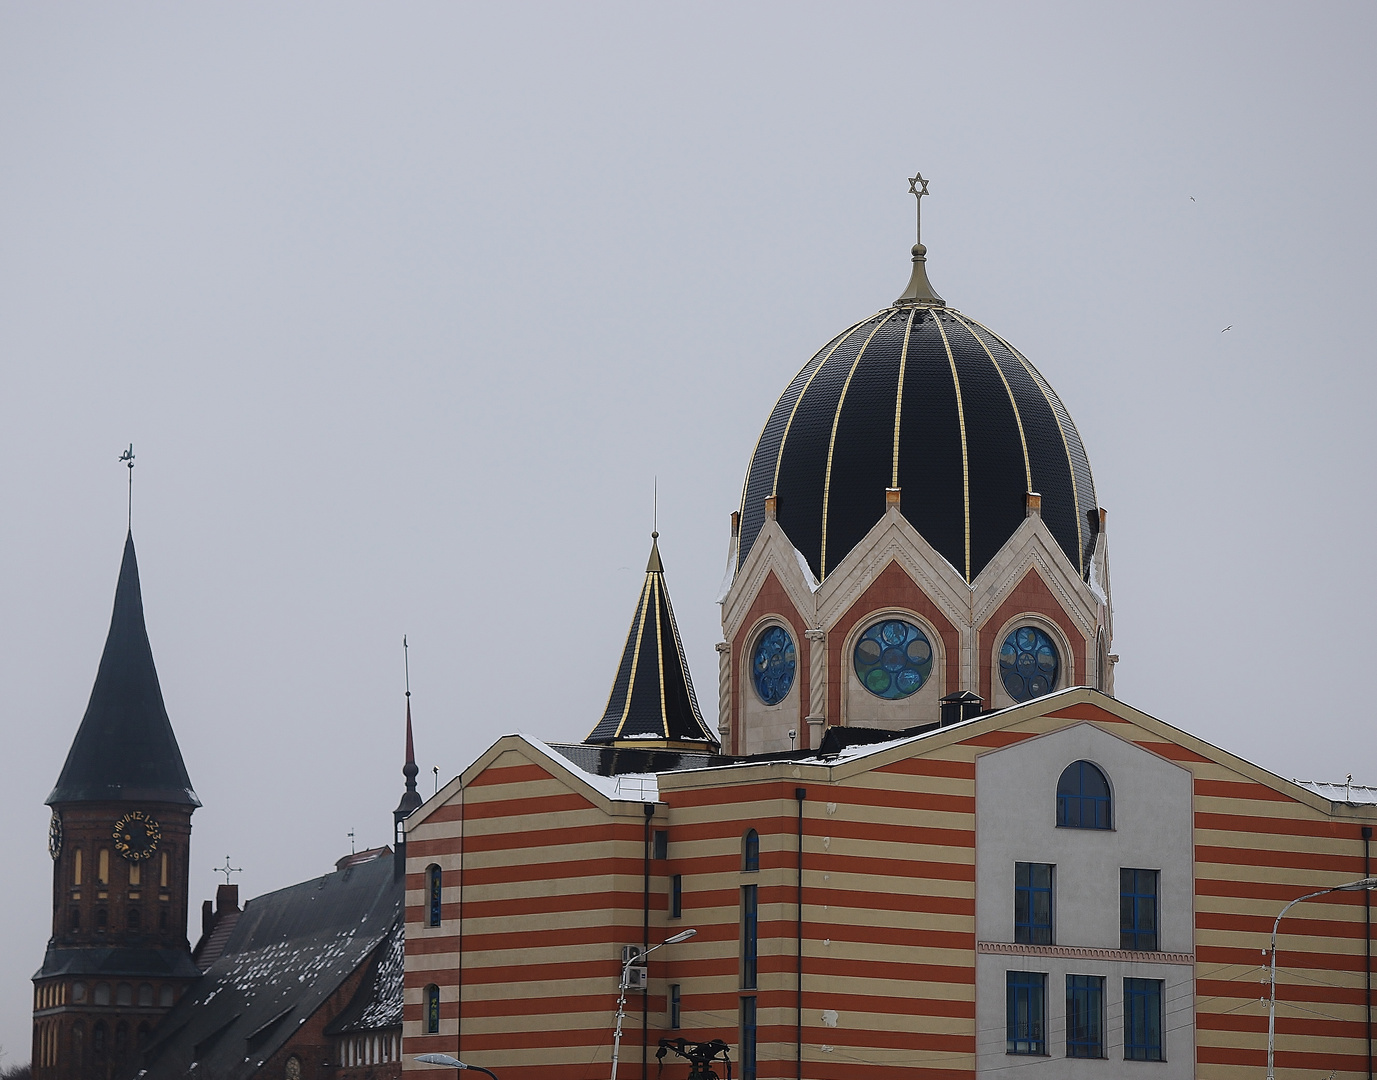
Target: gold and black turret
120,835
652,704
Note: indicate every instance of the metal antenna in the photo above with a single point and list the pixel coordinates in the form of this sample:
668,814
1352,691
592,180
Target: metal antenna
918,187
655,507
227,869
436,770
406,663
128,458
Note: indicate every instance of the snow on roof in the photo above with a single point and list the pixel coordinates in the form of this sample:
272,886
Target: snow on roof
1357,794
629,787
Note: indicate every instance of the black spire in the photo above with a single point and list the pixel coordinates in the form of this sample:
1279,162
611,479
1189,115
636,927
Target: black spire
652,700
125,748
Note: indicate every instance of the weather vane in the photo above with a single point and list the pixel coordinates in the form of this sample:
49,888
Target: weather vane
918,187
128,458
227,869
406,663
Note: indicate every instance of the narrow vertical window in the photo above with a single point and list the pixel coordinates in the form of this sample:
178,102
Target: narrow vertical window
1026,1019
1138,909
434,891
1033,903
676,896
135,874
1143,1020
748,1038
1084,1016
750,851
676,1012
659,847
162,878
103,867
432,1009
76,867
749,940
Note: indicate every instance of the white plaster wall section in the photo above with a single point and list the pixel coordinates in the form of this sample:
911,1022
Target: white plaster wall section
893,539
765,728
861,707
1067,673
1016,822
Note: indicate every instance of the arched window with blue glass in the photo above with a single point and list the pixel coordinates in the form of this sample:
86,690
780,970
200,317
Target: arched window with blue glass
434,892
1029,663
892,658
774,662
1083,798
750,850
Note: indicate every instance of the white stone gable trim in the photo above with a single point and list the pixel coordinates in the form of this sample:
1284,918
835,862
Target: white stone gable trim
1032,545
771,551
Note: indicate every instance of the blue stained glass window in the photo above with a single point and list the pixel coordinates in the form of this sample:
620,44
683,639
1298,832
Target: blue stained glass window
1084,1016
893,658
750,944
773,664
1028,664
750,851
432,1009
433,894
748,1039
1083,800
1142,1020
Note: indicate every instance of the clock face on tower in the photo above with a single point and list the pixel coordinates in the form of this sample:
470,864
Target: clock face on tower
136,836
55,835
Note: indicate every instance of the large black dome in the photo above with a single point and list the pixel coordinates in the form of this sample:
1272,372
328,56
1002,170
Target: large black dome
927,400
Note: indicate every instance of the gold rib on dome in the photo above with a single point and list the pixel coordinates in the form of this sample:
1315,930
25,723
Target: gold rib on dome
652,703
1018,419
899,398
832,440
965,461
779,457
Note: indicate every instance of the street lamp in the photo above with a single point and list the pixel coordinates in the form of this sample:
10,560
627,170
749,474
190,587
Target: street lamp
1353,886
452,1062
631,961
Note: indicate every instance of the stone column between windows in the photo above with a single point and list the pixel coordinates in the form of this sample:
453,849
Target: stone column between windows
817,686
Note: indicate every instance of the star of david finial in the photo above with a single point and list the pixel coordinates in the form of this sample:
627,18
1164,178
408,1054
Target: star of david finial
914,187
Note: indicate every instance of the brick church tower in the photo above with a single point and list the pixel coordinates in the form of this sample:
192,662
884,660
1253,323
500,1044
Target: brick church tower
118,957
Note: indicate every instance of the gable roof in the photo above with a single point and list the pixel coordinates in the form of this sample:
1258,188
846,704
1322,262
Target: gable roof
125,748
289,951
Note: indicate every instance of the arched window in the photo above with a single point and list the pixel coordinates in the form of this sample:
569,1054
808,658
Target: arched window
102,995
772,664
98,1034
165,997
78,992
101,919
145,994
79,1043
892,658
76,867
432,1009
750,851
1028,663
132,917
1083,800
434,891
124,994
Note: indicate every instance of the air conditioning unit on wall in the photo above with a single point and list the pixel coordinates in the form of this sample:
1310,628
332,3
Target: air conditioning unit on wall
637,978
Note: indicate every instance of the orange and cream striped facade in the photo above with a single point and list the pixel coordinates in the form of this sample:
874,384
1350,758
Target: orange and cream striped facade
885,906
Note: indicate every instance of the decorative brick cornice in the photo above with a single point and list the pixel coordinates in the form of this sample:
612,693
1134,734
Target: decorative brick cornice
1074,952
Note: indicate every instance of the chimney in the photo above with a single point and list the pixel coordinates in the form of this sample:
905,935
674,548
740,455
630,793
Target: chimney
226,899
207,918
892,498
771,507
957,707
1032,503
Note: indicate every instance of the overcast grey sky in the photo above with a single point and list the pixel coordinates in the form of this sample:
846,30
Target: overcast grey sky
404,307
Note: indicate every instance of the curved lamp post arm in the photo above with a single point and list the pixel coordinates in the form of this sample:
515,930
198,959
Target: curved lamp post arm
1352,886
453,1063
634,960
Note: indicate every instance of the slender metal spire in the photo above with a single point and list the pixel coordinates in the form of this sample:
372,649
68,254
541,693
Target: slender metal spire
128,458
919,292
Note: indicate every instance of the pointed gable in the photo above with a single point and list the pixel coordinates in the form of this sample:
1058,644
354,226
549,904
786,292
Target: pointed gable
652,697
125,748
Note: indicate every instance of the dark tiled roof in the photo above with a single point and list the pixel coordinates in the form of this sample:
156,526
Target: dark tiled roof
378,1001
153,963
929,401
652,697
289,951
618,761
125,748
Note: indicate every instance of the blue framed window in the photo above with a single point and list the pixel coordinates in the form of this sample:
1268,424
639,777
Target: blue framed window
432,1009
1028,664
1027,1012
676,1006
893,659
676,896
773,662
659,844
750,850
1084,1016
1143,1020
748,1038
1083,800
749,941
1138,909
1033,903
433,894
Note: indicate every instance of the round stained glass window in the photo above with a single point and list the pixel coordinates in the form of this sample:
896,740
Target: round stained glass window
773,664
893,659
1028,664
